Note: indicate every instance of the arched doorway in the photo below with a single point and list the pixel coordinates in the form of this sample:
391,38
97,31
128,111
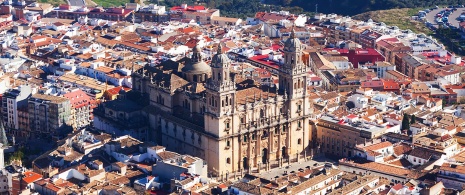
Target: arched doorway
245,163
264,155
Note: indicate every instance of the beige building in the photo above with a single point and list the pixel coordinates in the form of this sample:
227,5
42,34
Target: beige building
202,16
225,21
214,114
48,115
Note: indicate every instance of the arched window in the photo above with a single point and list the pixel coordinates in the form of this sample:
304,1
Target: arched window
228,160
227,100
222,103
299,141
228,143
219,76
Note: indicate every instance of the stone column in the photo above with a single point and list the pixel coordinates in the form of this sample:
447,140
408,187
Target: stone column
298,156
305,155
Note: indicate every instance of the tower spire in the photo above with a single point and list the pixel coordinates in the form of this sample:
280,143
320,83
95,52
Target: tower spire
220,49
293,31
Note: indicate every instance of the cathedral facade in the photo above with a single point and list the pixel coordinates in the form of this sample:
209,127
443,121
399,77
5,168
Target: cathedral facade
208,111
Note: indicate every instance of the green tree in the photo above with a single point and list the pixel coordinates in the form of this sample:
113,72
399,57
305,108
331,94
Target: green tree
413,119
405,122
18,155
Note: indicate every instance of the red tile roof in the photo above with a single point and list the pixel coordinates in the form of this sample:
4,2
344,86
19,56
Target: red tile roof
78,98
397,187
263,59
30,177
189,8
115,91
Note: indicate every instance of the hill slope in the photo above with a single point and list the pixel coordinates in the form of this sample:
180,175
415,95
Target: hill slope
396,17
352,7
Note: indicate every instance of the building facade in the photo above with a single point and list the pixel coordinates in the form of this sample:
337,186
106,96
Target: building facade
203,112
12,102
47,114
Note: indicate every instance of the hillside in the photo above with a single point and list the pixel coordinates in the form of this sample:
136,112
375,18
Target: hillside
353,7
396,17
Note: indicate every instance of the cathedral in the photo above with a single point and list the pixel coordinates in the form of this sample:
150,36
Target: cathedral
235,125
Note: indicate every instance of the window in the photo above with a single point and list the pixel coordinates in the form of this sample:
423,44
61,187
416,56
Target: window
228,143
227,125
299,124
253,136
228,160
299,141
245,138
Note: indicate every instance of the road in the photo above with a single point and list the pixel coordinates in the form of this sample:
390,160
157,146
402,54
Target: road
77,3
430,17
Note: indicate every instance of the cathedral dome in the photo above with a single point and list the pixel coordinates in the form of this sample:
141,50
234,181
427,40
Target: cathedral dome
196,65
292,43
220,58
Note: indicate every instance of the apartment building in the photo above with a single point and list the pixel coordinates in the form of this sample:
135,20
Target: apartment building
13,101
47,114
81,107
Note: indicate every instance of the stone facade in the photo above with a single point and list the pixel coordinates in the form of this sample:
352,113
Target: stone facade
237,127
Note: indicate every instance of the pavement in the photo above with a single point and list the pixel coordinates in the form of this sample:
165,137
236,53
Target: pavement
271,174
430,17
76,2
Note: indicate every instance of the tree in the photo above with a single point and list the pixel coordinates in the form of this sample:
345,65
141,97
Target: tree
405,122
413,119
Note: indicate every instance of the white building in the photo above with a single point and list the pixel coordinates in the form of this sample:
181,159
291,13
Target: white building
12,101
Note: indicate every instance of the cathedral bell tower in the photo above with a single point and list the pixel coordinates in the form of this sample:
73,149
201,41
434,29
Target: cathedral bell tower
293,73
220,92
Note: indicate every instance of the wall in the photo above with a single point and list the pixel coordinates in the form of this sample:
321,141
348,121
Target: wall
166,172
356,170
